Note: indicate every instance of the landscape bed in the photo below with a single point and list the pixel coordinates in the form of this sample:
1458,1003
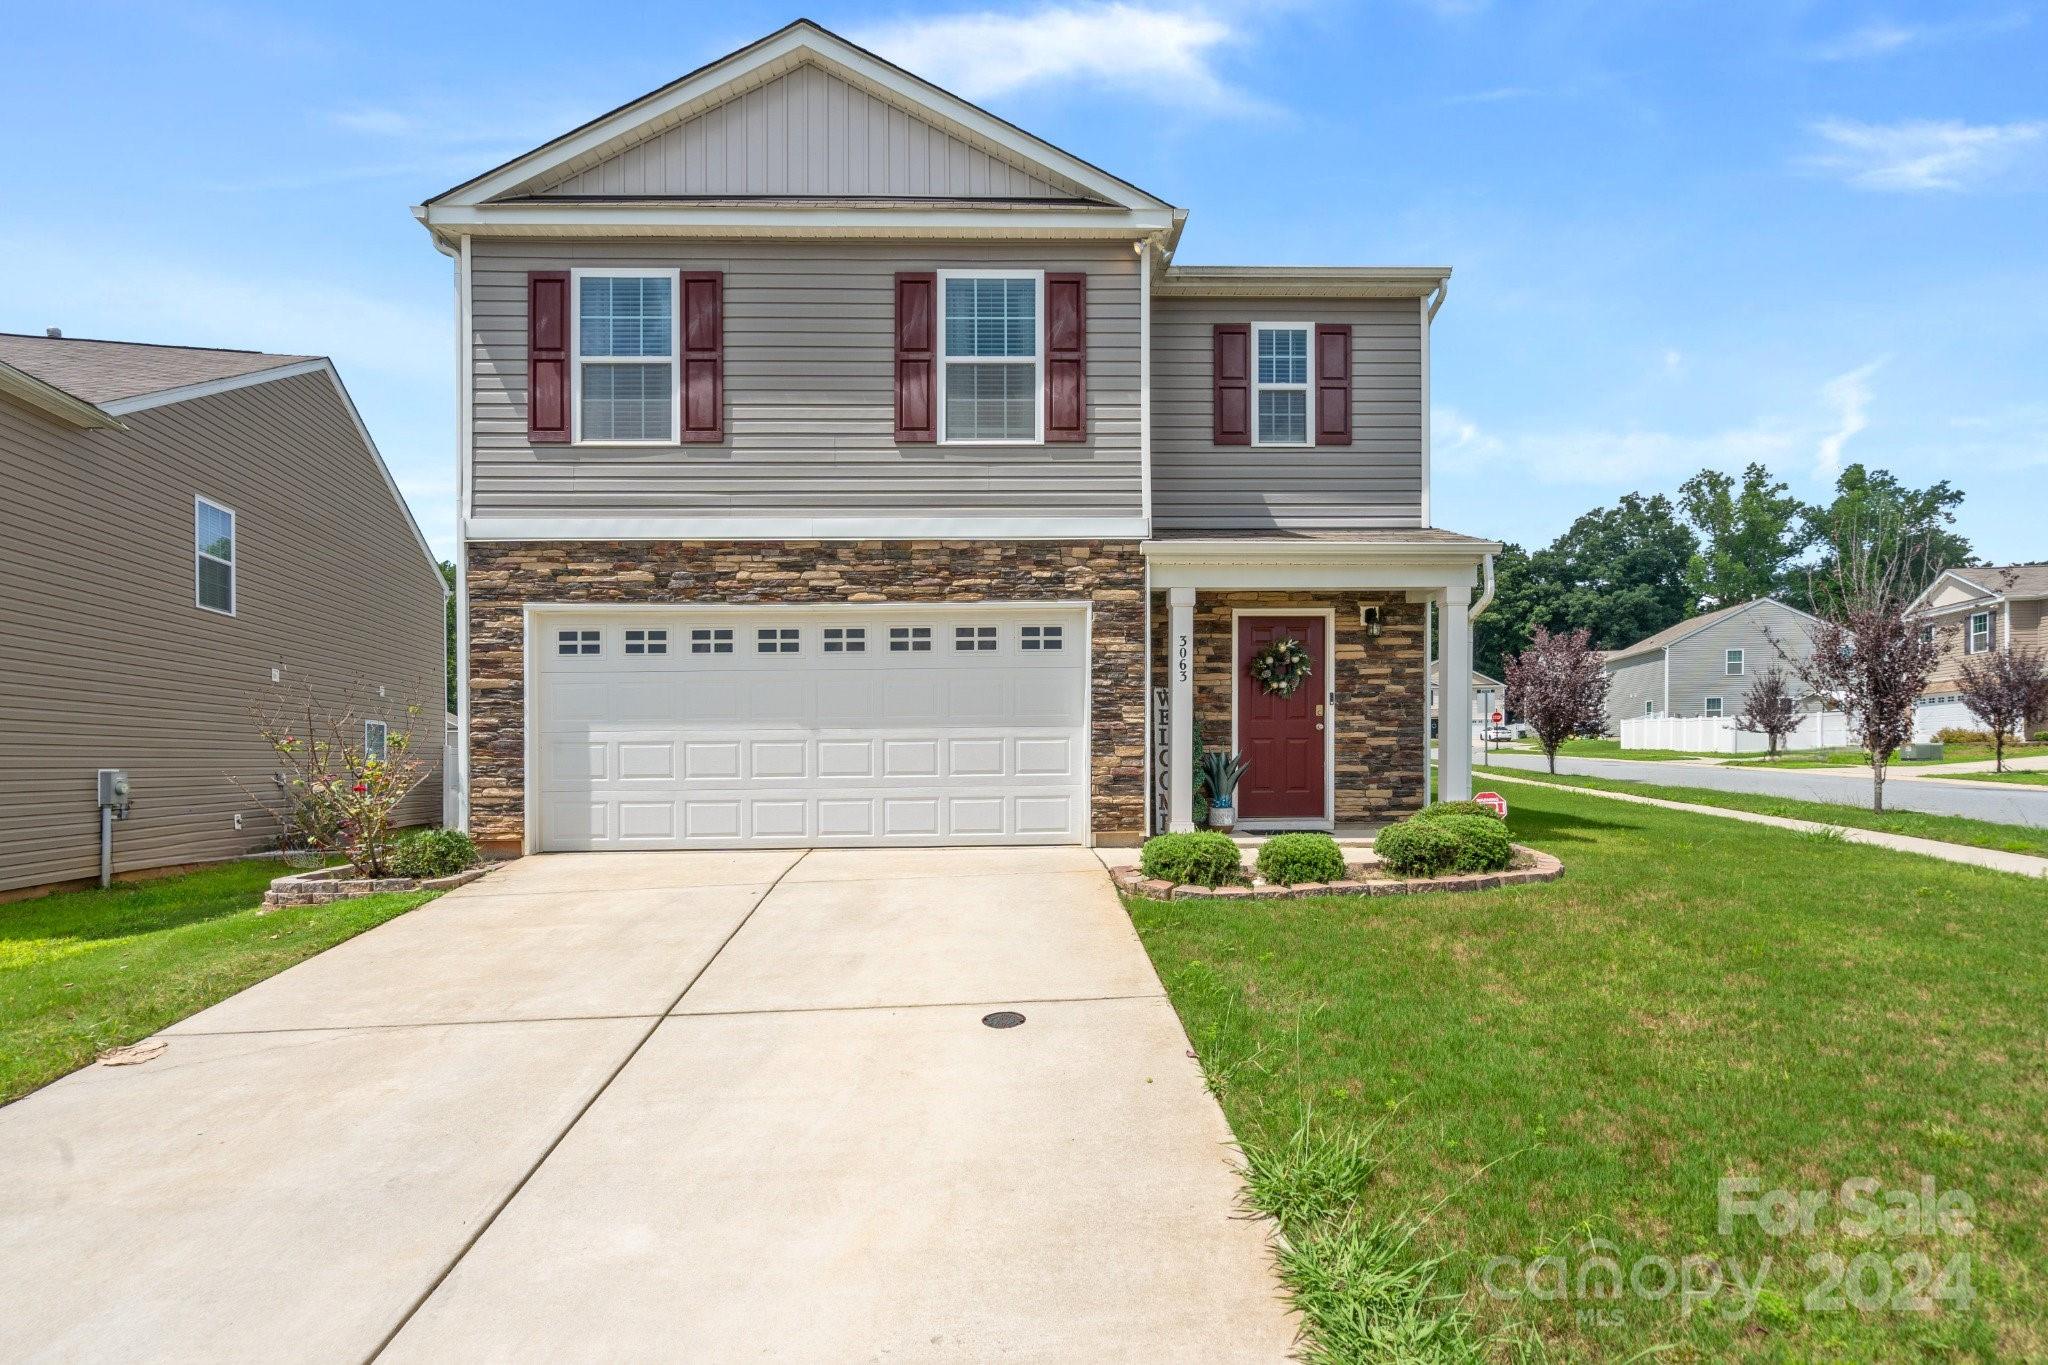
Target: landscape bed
1567,1070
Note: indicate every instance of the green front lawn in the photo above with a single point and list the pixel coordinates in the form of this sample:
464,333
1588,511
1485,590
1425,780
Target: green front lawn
1596,747
1568,1070
1953,829
1859,758
2031,777
85,971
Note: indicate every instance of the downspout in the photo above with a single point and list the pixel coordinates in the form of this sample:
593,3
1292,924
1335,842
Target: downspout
1443,288
1486,592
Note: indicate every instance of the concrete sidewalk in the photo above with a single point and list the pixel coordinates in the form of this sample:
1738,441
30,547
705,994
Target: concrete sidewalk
2026,865
698,1105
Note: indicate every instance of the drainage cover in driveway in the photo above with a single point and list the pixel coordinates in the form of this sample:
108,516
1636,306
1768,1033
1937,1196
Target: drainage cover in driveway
1003,1019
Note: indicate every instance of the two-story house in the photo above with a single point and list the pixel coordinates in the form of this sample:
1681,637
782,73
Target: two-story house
843,464
1974,610
1706,664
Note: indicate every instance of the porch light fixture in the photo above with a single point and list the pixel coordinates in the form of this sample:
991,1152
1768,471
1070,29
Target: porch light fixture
1369,617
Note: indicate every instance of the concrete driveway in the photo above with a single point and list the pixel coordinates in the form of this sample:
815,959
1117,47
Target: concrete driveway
705,1106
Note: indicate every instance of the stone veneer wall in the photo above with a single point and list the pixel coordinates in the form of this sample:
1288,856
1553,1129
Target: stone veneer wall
504,576
1381,691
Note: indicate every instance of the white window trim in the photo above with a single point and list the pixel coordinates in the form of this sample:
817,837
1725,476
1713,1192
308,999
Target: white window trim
1037,278
1970,645
1306,388
1714,706
200,500
577,360
1737,657
369,750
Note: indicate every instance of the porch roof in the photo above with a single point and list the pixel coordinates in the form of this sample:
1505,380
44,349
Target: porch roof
1415,557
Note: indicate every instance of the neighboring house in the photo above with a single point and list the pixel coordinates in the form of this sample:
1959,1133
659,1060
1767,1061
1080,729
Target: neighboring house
1971,611
1706,664
187,533
1488,696
842,464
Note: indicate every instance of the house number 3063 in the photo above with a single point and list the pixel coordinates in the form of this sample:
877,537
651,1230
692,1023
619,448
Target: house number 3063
1183,653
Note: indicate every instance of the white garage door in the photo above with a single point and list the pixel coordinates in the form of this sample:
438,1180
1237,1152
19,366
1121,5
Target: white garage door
1934,714
787,726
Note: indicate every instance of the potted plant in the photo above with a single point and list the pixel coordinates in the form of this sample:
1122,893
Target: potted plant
1220,771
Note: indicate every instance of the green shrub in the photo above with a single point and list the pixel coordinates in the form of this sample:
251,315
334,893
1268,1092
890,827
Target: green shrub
433,853
1445,843
1443,808
1290,859
1956,734
1201,858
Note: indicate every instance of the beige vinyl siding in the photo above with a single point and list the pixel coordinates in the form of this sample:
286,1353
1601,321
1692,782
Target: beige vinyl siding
809,392
1952,630
1375,481
111,664
807,134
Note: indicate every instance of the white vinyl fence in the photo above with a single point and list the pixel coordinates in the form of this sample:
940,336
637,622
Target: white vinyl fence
1718,735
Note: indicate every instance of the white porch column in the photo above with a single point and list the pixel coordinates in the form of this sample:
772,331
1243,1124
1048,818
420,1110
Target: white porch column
1454,696
1180,708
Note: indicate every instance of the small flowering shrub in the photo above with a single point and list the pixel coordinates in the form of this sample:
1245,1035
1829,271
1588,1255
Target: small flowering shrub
332,793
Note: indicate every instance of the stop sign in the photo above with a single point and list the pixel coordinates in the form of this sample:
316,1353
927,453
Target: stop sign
1495,800
1498,718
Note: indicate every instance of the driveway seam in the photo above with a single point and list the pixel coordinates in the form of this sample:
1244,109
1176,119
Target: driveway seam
470,1242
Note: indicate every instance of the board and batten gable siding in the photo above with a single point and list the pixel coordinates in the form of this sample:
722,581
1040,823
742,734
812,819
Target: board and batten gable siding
807,134
1699,664
809,392
111,664
1376,481
1631,683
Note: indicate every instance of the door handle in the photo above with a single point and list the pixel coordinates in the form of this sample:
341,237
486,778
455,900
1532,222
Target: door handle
1319,725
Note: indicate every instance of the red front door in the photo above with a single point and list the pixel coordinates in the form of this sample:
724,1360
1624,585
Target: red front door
1281,737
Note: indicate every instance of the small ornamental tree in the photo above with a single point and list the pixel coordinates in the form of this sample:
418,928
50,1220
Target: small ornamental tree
1770,709
2004,689
1868,654
332,792
1558,688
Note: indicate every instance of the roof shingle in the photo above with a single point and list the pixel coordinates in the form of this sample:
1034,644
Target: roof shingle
109,371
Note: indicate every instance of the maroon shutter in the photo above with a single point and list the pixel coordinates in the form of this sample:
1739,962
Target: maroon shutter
547,356
1231,344
1333,384
917,321
1066,357
703,323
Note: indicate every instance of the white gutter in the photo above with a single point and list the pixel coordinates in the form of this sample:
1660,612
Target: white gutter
1443,290
1485,593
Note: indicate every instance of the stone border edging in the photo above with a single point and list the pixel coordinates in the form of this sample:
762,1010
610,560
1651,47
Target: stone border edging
1546,869
321,886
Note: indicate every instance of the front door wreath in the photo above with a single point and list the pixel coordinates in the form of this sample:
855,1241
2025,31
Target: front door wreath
1282,666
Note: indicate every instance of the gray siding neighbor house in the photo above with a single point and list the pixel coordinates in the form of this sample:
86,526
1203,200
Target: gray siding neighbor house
187,532
843,464
1706,664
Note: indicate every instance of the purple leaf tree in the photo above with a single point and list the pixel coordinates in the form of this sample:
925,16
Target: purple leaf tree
2004,689
1770,709
1558,688
1869,655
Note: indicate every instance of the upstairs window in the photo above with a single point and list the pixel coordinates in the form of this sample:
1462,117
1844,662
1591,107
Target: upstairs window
625,344
992,343
1733,664
213,555
1280,383
1980,632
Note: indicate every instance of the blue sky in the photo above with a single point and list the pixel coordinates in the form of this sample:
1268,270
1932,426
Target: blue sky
1684,234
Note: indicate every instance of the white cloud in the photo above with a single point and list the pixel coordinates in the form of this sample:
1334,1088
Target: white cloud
1920,154
1883,37
1646,457
1848,396
1163,54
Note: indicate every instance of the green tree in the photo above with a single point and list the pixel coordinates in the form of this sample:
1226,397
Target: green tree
1518,607
1749,535
1894,524
1618,571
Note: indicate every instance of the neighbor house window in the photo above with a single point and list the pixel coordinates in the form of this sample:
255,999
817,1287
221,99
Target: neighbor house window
1980,632
213,553
1280,383
990,357
376,741
1733,664
625,342
1713,706
1927,635
1649,708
